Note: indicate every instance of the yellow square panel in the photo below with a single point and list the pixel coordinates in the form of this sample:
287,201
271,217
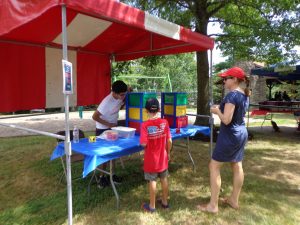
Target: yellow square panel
181,110
169,109
134,114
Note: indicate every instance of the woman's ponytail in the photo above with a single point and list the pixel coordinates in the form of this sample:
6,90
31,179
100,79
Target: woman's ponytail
247,89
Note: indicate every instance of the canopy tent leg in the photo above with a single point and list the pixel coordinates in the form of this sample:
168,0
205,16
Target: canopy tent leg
67,128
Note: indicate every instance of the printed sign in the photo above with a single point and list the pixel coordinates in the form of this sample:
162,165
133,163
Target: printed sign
67,77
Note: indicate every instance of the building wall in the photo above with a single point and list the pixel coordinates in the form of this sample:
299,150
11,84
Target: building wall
257,84
259,89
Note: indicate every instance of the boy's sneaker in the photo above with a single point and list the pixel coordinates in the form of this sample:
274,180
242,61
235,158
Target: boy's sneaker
146,207
103,182
116,179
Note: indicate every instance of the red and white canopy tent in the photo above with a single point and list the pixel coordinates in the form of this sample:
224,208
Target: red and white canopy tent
33,32
31,42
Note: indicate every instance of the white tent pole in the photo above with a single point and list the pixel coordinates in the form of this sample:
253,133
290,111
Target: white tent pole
211,103
67,128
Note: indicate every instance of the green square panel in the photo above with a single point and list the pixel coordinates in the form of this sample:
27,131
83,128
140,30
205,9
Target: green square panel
146,96
169,99
134,99
181,99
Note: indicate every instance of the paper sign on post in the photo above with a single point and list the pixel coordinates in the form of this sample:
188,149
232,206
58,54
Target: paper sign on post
67,77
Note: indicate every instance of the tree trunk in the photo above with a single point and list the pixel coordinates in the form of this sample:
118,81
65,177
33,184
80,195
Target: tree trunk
203,88
202,70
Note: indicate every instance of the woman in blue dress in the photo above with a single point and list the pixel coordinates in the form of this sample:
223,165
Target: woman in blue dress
231,140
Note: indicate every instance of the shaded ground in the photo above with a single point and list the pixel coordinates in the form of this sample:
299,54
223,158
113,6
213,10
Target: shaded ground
285,131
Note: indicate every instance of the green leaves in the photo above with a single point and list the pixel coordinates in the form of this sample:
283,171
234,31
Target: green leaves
260,30
253,30
141,74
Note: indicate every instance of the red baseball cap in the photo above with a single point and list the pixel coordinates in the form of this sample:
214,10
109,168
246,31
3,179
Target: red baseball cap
234,72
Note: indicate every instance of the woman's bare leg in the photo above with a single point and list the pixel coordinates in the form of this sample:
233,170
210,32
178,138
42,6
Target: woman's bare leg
238,180
215,185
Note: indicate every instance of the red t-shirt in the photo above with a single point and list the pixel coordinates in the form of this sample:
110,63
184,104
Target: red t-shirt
155,133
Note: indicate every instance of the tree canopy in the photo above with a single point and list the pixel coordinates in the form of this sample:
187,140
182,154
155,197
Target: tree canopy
140,74
261,30
264,31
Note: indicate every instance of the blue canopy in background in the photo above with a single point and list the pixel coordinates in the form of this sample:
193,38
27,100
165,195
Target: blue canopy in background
283,73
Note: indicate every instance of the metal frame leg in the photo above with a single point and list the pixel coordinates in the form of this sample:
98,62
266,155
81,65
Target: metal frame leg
122,163
188,149
187,146
112,183
65,170
110,173
64,174
90,182
266,118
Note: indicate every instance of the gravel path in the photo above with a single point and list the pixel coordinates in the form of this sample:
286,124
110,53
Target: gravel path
46,122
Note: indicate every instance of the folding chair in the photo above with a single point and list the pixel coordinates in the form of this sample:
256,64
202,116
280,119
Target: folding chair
258,112
75,157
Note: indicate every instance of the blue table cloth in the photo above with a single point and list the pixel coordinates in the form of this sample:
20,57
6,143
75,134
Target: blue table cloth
101,151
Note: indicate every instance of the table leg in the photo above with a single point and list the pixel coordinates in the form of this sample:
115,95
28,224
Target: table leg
64,168
112,183
110,173
188,148
90,182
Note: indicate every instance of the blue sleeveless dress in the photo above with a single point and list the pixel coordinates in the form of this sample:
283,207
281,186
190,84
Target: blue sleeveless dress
232,138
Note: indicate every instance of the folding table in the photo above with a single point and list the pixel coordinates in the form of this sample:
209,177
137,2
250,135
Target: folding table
101,151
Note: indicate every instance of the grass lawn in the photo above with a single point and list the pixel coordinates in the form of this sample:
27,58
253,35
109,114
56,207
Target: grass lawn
30,191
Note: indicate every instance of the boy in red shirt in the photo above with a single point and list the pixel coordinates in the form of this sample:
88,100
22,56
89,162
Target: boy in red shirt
156,137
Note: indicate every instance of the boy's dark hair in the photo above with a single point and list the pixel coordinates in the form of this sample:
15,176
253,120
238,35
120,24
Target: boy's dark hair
152,105
119,86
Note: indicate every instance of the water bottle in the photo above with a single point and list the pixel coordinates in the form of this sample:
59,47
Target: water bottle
75,135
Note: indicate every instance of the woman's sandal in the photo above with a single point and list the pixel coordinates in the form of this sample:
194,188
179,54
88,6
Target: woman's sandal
159,201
